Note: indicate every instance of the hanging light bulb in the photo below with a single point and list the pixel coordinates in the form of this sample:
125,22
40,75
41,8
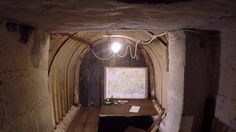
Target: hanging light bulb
116,47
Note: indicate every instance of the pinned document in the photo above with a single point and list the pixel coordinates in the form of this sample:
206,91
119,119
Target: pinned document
134,109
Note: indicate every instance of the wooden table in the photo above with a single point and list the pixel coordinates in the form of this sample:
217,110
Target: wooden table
146,109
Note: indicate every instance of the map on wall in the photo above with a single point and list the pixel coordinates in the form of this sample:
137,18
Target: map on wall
126,82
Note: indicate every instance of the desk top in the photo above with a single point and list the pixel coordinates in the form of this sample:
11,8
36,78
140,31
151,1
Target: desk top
146,109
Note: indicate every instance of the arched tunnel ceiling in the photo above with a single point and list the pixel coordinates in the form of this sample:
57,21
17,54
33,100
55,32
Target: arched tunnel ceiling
67,52
89,38
90,15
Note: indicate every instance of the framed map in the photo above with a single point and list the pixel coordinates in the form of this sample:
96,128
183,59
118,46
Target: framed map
126,82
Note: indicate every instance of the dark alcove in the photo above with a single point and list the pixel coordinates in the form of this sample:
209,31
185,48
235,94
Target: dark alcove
91,81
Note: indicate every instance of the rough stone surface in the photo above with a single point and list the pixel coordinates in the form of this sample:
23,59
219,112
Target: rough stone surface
228,65
218,126
226,111
25,64
83,15
226,99
24,96
201,79
176,82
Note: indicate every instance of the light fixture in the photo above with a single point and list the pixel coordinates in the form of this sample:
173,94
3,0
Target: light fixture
116,47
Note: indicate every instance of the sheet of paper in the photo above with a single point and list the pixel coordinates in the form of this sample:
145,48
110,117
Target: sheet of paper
134,109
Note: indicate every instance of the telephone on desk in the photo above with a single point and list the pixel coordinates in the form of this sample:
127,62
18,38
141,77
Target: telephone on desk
115,102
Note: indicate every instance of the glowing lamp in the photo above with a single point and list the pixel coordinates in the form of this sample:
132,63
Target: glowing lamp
116,47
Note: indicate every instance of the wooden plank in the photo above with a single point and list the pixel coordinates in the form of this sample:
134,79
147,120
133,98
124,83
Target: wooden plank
57,96
151,71
93,79
85,121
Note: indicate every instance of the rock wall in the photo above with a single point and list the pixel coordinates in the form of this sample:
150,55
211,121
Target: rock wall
90,15
226,99
193,81
24,96
201,80
176,81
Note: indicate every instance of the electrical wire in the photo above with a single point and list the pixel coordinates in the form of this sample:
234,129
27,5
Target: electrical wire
130,51
104,59
133,55
129,48
154,37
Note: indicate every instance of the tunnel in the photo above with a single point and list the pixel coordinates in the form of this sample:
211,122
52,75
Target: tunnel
53,56
68,51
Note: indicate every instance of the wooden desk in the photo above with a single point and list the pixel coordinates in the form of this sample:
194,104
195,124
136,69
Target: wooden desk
146,109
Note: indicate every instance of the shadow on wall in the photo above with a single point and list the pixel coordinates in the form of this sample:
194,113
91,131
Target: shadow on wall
201,77
151,1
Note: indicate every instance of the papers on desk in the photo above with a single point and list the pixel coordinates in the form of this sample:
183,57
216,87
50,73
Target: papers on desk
134,109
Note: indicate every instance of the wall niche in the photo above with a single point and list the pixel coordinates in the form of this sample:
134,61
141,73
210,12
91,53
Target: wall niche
91,80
